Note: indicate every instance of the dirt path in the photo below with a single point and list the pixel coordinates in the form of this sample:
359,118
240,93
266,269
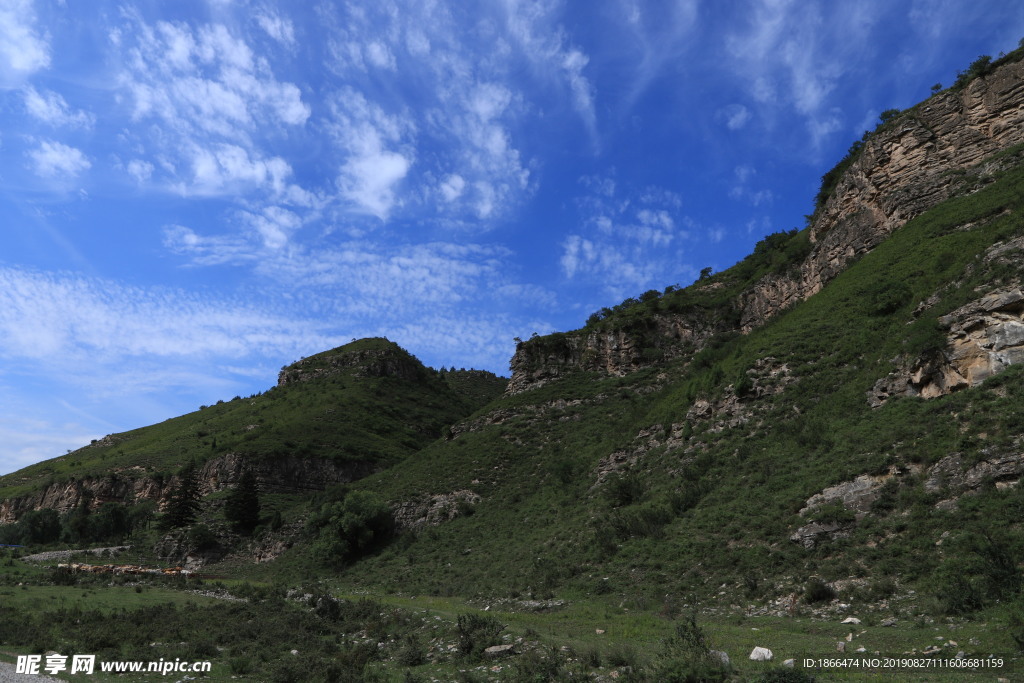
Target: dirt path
7,675
64,554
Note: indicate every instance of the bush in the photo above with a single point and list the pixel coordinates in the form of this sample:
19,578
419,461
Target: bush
477,632
686,656
351,528
624,488
818,591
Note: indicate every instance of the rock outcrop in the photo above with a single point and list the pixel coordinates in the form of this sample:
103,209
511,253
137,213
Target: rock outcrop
615,352
984,338
434,510
377,357
950,476
275,475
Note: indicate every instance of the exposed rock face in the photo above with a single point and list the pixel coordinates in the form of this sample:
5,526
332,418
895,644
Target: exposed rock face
281,474
905,169
386,360
919,159
856,496
948,475
434,510
275,475
613,352
65,496
985,337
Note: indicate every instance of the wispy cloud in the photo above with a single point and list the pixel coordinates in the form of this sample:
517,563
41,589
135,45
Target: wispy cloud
52,159
278,28
791,57
24,50
51,108
213,98
632,241
48,316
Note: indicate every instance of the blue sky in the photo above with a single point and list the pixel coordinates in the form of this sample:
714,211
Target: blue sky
195,193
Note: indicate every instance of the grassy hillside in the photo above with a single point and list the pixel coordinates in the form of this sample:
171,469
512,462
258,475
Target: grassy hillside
702,506
353,412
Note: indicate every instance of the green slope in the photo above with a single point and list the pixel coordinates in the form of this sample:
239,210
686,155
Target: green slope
366,402
701,506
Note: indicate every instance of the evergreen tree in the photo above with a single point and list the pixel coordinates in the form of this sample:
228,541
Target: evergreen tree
184,502
242,507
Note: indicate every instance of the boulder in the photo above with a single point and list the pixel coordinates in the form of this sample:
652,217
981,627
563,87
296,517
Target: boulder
496,651
761,654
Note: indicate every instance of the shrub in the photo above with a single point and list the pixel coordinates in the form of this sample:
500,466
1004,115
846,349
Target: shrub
624,489
477,632
686,656
818,591
351,528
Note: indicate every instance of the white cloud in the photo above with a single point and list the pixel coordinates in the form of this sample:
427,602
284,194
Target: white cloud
742,190
793,56
23,51
70,318
634,242
530,25
379,55
212,97
735,116
277,28
452,187
227,169
56,160
377,149
274,225
140,170
49,107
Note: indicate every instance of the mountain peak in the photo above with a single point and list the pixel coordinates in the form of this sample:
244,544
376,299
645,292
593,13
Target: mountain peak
370,357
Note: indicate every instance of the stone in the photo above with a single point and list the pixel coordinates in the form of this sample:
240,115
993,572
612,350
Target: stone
719,656
790,663
841,646
851,620
495,651
761,654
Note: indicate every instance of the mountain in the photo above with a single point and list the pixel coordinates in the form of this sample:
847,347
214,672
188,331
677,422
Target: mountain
333,417
839,414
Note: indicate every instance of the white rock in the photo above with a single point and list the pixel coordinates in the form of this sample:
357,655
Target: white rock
851,620
720,656
790,663
498,651
761,654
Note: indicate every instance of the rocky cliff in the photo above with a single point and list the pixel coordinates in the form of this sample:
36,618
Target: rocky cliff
377,357
274,475
935,150
615,352
918,159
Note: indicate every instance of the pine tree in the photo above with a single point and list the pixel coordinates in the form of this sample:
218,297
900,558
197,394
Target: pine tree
242,507
184,502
